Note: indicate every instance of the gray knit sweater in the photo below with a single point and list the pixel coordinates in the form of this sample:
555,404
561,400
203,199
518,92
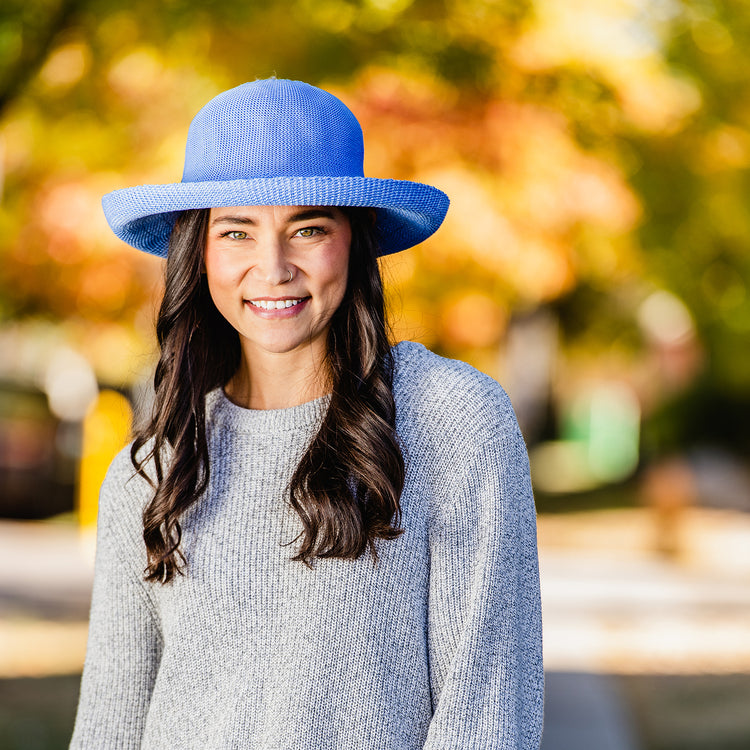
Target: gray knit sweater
437,647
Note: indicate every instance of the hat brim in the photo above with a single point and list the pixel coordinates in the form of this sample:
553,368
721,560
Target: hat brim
407,212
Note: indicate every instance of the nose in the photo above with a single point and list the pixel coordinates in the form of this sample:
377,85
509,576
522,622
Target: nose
272,266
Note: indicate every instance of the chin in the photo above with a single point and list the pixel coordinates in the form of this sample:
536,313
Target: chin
281,346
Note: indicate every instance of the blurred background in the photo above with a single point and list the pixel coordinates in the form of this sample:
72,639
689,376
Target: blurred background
594,260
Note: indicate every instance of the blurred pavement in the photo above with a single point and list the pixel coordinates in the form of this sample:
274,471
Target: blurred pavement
586,712
612,605
46,572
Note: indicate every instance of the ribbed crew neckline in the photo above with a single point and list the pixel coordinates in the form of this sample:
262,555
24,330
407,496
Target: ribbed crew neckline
220,409
253,420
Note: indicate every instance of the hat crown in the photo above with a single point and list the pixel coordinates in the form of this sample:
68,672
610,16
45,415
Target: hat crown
273,128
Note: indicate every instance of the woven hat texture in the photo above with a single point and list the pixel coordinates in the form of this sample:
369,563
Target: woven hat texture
275,142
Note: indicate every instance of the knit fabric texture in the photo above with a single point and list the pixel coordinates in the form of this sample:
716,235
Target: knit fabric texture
275,142
436,647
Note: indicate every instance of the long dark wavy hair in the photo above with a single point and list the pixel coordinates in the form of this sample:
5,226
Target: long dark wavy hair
347,486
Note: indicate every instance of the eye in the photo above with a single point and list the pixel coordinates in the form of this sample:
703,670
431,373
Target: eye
310,231
235,234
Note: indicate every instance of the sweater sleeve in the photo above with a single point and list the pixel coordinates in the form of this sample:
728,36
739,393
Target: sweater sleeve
124,644
484,612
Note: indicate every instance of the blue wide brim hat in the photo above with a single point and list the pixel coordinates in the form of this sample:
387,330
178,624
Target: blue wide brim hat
275,142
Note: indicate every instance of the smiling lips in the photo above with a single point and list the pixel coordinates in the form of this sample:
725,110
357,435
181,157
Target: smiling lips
274,305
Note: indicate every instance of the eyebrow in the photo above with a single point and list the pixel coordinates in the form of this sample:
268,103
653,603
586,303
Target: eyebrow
307,215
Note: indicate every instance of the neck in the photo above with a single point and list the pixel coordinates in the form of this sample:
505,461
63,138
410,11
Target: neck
277,381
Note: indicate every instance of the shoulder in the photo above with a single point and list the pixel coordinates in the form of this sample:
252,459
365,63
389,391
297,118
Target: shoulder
122,478
123,496
448,395
461,437
121,469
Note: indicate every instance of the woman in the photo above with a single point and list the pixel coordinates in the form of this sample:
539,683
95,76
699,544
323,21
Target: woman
407,614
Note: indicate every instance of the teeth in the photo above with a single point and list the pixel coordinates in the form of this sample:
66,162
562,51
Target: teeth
275,304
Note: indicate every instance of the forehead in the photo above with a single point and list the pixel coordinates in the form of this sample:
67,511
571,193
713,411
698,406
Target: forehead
275,214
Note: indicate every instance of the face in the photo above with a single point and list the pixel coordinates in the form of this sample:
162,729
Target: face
278,273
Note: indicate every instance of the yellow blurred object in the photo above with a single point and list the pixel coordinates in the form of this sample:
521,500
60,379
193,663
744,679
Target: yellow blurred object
106,429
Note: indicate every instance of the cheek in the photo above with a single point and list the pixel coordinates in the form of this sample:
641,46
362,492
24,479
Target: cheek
335,269
220,287
220,273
